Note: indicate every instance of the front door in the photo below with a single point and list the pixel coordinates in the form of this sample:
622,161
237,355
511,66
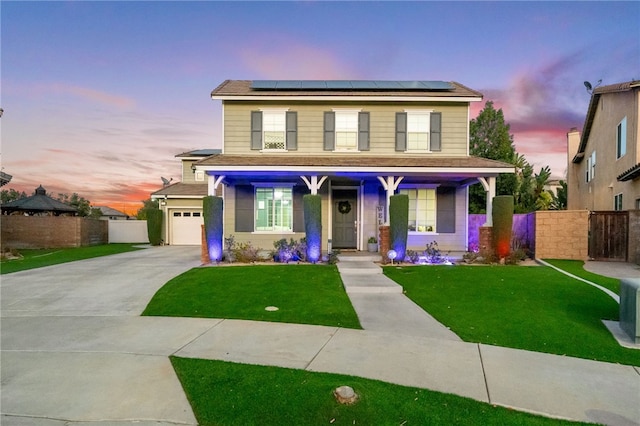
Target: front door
345,214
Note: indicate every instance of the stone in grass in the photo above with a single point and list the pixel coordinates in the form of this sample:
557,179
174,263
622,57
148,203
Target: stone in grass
345,395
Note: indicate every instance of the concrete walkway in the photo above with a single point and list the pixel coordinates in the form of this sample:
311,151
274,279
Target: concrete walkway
74,350
613,269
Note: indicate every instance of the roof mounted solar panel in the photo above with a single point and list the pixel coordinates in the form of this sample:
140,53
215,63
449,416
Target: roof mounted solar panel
313,84
263,84
339,84
354,85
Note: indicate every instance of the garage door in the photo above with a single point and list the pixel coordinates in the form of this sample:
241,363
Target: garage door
185,227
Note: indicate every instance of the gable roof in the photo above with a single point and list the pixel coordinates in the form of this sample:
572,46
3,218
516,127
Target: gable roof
108,211
593,107
180,189
39,202
339,89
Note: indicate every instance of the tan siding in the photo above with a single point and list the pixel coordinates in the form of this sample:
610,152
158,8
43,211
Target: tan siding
310,126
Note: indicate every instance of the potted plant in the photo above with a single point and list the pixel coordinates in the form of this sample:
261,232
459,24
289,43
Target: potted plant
372,245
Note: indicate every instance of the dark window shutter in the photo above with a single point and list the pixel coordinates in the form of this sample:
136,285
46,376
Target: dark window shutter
244,208
292,130
446,209
329,131
256,130
436,129
298,207
363,131
401,131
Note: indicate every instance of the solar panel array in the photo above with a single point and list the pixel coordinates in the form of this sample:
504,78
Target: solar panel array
349,85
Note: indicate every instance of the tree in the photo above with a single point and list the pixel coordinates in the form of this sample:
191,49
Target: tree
80,203
8,195
147,205
489,137
559,200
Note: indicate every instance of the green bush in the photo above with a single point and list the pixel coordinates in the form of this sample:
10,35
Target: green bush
502,224
154,227
212,208
313,226
399,224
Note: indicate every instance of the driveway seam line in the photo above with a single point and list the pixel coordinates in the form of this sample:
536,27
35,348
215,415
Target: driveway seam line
322,348
484,375
197,337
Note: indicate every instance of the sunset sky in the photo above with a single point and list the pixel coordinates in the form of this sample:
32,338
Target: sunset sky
99,97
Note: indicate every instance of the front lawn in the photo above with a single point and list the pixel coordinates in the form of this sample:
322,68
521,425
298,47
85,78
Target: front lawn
37,258
303,294
533,308
576,267
223,393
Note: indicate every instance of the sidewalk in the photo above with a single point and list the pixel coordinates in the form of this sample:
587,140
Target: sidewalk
83,359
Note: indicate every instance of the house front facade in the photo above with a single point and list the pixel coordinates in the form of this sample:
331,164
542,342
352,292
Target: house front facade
603,171
355,143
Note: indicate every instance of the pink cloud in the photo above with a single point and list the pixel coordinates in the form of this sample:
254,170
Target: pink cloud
94,95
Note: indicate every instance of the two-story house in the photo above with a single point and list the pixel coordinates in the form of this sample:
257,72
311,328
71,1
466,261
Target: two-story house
603,170
181,202
355,143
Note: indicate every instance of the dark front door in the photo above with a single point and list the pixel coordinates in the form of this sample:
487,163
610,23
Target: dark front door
345,213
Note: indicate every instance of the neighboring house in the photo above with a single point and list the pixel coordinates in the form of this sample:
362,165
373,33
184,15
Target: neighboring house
181,202
355,143
111,214
5,178
604,161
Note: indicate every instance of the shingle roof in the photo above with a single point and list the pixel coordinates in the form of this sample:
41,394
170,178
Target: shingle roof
352,161
108,211
199,153
242,88
183,189
40,202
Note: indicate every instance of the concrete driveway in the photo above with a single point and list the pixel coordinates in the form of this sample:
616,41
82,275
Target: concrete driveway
75,349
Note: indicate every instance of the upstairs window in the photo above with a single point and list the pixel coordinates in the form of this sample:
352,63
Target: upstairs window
274,130
591,167
346,130
621,138
418,131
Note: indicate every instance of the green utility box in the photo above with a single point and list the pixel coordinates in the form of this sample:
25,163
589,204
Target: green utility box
630,307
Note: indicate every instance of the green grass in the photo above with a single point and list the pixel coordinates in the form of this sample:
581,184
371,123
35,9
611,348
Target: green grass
576,267
33,258
304,294
223,393
533,308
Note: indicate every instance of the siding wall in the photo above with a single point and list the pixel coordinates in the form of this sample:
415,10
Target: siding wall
237,126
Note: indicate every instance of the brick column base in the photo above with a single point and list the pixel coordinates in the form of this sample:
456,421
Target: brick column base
485,241
385,244
204,250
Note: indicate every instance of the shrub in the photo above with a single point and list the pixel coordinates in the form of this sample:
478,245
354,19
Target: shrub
399,224
154,227
213,230
502,224
312,227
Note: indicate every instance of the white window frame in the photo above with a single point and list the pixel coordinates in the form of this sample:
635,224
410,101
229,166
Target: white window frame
621,138
426,231
352,114
413,113
591,167
281,114
256,206
617,202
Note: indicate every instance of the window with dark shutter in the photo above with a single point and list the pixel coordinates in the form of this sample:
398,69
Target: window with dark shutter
244,208
292,130
446,210
329,131
363,131
401,131
256,129
436,126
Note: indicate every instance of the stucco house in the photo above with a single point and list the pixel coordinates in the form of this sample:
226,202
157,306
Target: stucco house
603,167
181,202
355,143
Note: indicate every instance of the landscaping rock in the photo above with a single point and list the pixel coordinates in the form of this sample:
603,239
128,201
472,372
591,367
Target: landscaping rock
345,395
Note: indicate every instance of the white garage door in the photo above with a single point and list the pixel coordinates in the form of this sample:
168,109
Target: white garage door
185,227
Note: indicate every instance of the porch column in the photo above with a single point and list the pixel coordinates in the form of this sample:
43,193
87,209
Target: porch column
390,184
212,183
489,185
313,184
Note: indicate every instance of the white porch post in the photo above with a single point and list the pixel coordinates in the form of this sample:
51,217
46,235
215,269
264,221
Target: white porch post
390,184
212,183
314,185
489,185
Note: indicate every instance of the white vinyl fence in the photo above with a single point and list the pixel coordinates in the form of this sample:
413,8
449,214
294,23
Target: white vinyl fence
128,231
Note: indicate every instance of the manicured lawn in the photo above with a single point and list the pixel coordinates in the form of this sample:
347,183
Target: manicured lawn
46,257
223,393
534,308
576,267
303,294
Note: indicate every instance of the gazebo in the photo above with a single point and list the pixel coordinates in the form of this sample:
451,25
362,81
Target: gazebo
39,204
